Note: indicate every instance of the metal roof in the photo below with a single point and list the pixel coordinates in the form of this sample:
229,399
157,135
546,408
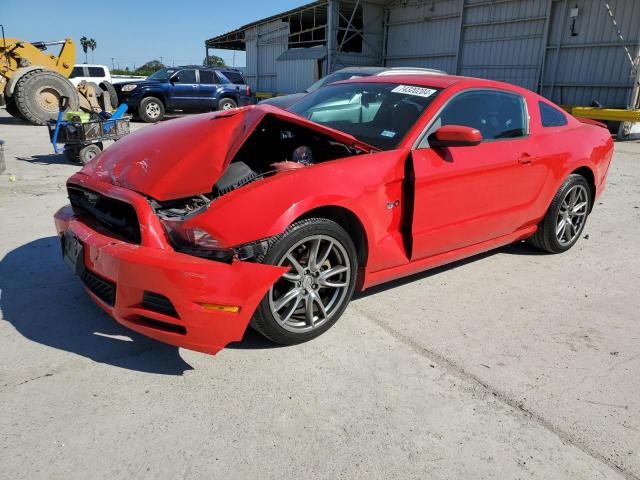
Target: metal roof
234,40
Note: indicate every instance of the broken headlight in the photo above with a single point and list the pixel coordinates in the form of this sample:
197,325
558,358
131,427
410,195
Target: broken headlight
195,241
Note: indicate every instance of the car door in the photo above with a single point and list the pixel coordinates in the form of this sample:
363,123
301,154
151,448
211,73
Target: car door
184,90
469,194
208,88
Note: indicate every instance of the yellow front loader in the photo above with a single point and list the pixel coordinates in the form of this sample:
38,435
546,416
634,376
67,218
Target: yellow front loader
32,81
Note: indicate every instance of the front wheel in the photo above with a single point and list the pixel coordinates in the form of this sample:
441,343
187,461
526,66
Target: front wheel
151,110
308,299
564,222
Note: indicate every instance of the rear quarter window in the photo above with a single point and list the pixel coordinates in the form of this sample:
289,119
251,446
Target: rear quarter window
550,116
234,77
208,77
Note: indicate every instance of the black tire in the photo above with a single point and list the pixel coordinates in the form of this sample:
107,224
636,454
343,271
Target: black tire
227,104
37,95
547,237
88,153
113,95
12,109
278,246
71,153
151,110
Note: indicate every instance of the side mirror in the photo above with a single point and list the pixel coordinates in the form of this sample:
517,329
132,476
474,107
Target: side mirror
174,79
455,136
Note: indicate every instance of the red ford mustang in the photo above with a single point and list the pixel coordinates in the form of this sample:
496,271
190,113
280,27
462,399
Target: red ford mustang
190,230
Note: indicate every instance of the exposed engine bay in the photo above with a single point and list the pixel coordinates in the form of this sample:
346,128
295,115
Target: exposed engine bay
275,146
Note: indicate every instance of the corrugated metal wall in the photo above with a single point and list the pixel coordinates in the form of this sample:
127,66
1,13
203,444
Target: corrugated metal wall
265,43
522,41
591,65
503,41
527,42
295,75
423,34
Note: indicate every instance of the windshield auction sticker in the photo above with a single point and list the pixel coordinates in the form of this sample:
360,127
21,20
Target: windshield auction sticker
411,90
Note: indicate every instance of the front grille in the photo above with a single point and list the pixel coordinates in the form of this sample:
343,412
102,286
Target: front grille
115,216
159,303
103,289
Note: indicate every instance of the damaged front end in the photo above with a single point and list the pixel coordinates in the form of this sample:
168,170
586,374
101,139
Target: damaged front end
143,214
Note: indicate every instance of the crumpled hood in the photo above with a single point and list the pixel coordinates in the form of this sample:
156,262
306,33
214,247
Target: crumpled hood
185,157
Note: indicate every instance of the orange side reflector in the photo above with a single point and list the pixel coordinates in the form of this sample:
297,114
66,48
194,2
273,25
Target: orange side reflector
221,308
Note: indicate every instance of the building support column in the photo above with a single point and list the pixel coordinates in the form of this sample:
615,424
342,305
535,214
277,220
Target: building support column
545,40
459,43
331,33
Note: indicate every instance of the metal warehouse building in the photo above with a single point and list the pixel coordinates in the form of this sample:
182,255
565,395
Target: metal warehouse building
572,51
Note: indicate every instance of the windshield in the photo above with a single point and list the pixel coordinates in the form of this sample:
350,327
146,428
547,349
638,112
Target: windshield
162,75
334,77
379,114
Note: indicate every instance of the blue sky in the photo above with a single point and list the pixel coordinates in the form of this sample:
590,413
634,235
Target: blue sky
137,31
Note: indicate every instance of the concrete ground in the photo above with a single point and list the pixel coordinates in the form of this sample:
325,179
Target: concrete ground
511,364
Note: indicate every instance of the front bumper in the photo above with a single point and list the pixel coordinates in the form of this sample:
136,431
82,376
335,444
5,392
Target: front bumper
188,282
132,99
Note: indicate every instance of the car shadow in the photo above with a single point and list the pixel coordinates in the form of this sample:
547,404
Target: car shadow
252,340
45,303
519,248
50,159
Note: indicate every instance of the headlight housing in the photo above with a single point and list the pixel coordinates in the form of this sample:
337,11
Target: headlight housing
129,87
195,241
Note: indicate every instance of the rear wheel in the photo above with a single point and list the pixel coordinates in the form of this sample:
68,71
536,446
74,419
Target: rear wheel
38,93
564,222
227,104
308,299
151,110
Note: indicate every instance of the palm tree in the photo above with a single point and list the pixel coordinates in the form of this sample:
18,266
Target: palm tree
84,41
92,44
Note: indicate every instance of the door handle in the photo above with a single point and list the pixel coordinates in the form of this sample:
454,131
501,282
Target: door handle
526,159
194,86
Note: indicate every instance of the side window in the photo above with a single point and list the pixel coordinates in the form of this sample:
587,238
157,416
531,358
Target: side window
185,76
495,113
76,72
234,77
96,72
550,116
208,77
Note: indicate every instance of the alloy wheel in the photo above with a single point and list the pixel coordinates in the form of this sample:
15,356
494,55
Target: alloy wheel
572,214
315,287
152,110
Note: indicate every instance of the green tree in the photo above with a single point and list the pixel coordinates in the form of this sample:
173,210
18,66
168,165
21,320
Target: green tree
213,61
149,67
92,44
84,42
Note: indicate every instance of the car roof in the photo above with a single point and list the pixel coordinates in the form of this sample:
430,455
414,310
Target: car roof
201,67
436,81
367,70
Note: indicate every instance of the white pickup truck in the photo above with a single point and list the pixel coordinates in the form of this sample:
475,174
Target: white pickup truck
90,73
98,74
